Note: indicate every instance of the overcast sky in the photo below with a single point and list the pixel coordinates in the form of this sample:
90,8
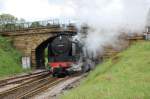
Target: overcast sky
37,9
45,9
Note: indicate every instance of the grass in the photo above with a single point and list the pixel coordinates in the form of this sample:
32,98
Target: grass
9,59
126,78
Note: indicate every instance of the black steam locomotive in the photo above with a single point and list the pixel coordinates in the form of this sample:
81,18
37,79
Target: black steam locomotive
63,54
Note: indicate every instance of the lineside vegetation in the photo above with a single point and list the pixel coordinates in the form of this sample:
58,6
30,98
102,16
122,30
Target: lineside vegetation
126,76
10,59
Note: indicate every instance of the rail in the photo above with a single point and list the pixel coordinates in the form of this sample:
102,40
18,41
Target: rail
20,79
33,87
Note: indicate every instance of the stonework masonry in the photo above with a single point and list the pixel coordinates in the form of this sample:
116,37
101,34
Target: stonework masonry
27,41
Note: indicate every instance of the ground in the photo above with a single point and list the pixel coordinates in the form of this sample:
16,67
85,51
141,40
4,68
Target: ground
56,91
125,76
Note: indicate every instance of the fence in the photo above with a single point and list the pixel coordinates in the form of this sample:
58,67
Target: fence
9,27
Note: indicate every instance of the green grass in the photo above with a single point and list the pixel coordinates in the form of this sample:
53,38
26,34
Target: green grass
127,77
9,59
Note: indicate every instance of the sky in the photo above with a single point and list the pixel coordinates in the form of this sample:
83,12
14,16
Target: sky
37,9
107,18
32,10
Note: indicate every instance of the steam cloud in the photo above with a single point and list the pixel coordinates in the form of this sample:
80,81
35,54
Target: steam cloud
109,18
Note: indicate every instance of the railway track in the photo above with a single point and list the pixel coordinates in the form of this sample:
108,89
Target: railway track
20,79
31,88
42,88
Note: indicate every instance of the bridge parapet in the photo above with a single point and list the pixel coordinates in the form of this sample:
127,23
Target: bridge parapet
29,39
15,27
44,30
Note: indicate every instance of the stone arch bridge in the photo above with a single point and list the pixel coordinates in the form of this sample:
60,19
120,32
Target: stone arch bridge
33,41
32,38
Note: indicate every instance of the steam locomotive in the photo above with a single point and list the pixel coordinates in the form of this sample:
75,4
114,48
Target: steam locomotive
63,52
66,55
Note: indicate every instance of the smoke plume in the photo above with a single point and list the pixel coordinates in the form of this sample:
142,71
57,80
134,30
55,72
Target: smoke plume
109,18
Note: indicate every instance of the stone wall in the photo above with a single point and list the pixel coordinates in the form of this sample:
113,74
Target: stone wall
125,42
28,43
28,40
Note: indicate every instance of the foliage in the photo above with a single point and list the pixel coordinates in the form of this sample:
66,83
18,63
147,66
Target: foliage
8,22
9,59
7,18
35,24
127,76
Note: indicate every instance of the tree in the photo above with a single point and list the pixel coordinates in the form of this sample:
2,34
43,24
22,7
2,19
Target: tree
8,22
7,18
35,24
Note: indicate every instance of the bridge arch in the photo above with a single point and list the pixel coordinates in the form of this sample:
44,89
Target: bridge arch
40,54
31,42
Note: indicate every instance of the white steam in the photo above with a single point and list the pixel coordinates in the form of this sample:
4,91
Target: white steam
109,18
113,14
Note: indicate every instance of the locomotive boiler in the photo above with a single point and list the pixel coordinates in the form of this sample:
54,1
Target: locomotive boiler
63,54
